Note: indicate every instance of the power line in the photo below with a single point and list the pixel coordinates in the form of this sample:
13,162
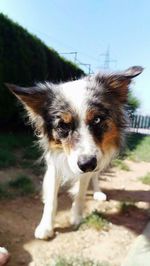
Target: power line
78,62
75,55
86,65
90,71
63,44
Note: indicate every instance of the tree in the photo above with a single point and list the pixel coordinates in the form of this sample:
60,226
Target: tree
133,103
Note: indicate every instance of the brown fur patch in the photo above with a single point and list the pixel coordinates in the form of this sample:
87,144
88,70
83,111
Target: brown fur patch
67,117
90,115
111,137
58,145
67,147
63,144
69,143
55,144
119,87
34,103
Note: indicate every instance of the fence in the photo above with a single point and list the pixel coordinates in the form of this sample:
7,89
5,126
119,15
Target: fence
140,123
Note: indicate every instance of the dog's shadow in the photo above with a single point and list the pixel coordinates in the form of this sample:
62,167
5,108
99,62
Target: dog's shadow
133,218
130,215
66,229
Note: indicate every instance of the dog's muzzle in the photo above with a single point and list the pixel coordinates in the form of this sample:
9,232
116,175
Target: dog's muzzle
87,163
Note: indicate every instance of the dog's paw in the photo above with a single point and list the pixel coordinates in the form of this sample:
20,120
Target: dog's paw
100,196
42,232
4,256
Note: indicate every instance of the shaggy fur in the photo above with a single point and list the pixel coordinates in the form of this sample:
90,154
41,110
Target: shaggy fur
80,125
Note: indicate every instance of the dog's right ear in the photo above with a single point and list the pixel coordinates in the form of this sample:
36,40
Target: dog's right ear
117,84
33,98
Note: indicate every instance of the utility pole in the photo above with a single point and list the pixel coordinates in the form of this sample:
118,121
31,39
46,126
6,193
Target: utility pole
88,65
76,61
107,59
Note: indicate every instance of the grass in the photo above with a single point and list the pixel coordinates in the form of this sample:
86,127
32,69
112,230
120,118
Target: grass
7,158
138,147
95,220
17,151
62,261
4,193
10,144
25,164
145,179
21,185
11,141
121,164
31,153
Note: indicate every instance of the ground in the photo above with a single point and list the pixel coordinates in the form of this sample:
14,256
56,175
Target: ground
126,212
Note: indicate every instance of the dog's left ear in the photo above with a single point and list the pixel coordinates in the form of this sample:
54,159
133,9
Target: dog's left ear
117,84
33,98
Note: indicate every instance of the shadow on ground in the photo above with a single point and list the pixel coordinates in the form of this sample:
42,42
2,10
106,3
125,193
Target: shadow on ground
132,217
126,195
19,218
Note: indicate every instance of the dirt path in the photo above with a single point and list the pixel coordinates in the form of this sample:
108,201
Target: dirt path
19,217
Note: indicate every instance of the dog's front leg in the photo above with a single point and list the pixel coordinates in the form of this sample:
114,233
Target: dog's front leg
78,203
50,189
98,194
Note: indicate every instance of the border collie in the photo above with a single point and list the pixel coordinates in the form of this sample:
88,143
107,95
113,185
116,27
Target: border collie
80,125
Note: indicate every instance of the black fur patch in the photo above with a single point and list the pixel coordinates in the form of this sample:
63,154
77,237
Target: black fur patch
107,105
52,117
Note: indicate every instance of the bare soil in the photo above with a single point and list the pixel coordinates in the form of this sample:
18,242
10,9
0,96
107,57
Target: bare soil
19,217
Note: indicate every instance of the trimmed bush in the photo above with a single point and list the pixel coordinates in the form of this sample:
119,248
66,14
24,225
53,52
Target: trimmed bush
24,60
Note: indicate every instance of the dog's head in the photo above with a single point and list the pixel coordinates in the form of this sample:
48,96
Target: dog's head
83,118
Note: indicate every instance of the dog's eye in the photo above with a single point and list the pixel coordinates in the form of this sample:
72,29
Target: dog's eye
97,120
63,129
64,126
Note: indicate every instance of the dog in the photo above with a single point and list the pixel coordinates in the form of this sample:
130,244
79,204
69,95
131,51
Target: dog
81,127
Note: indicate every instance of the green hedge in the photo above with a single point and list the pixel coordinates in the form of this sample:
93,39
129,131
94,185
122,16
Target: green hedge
24,60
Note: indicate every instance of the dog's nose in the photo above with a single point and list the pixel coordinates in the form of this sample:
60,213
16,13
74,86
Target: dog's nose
87,163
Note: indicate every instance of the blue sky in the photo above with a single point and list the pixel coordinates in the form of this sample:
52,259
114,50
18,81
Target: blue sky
90,27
